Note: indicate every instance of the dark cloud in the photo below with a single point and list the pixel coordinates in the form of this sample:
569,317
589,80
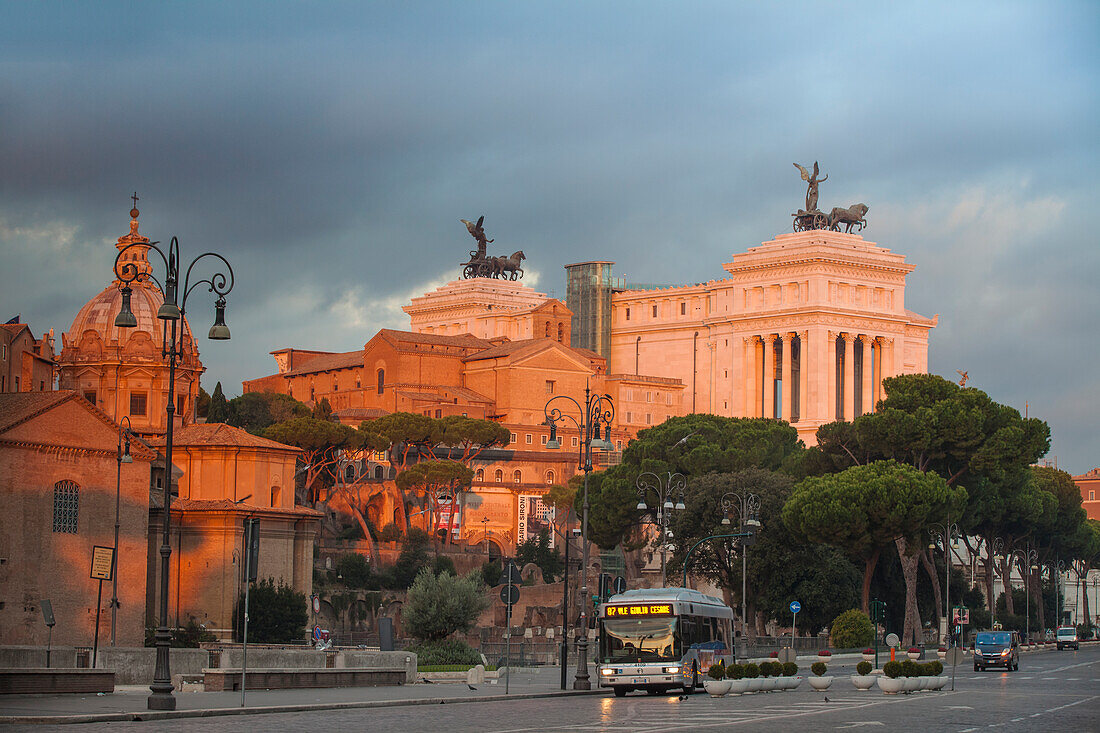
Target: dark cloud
329,150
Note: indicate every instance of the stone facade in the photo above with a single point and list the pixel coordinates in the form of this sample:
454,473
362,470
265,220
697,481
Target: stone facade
490,309
805,329
26,363
59,472
1089,483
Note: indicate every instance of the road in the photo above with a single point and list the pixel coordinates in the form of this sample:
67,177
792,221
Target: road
1054,691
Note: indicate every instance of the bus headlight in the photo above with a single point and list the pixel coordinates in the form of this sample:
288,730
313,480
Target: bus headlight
607,671
672,670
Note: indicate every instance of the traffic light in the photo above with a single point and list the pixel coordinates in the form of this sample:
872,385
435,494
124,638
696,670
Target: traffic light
605,586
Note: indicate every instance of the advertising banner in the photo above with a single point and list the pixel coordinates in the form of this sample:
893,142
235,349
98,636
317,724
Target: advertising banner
532,517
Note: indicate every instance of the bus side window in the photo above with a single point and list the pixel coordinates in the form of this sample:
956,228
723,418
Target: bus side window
688,631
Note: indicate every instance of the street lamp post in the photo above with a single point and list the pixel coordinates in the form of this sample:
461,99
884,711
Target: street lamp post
747,507
124,434
171,312
485,531
947,531
672,483
1024,560
597,410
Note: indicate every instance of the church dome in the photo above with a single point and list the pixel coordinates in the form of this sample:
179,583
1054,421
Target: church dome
96,353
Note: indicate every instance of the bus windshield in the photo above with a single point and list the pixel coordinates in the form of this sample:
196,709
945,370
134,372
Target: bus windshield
640,640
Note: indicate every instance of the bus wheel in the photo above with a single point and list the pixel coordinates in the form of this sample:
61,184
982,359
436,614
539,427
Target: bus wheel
621,691
690,688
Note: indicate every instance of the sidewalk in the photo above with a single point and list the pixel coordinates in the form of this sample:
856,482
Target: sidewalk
129,703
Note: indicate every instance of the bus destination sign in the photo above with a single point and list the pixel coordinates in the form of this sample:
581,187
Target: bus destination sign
649,609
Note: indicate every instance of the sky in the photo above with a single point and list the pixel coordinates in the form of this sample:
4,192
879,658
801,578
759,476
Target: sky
328,151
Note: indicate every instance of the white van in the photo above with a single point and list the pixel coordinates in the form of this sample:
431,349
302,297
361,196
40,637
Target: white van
1066,637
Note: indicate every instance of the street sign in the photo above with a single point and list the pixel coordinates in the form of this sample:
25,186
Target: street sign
620,584
960,615
102,561
795,606
510,576
509,595
47,613
316,604
955,655
892,640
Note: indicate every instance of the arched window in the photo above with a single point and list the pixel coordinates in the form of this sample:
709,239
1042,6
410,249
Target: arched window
561,333
516,476
349,474
549,477
276,496
66,507
499,476
480,474
548,329
312,393
381,380
378,472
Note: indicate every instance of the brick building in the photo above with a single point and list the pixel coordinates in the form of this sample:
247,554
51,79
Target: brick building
26,363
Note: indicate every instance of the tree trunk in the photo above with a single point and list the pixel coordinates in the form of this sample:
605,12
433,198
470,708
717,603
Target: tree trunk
990,598
1037,580
930,568
912,614
1006,573
366,531
868,571
1086,618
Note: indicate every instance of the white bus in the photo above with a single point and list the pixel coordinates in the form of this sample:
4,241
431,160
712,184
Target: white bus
657,639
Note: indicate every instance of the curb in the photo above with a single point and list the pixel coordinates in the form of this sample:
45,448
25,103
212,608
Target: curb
215,712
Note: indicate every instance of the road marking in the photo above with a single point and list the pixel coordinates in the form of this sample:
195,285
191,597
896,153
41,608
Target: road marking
1071,704
859,724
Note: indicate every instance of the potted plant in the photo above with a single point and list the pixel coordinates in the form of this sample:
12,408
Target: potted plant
824,654
942,653
938,678
913,652
863,679
891,682
820,681
717,685
769,676
790,678
910,672
868,655
735,673
752,674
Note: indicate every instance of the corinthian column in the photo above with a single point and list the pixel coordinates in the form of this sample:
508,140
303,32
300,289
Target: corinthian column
849,376
868,380
803,375
788,386
831,409
769,375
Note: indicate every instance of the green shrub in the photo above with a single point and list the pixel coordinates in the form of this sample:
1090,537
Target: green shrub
850,630
892,669
438,606
790,669
735,671
447,651
390,533
863,668
444,564
937,668
355,571
766,669
277,614
818,668
751,671
491,572
717,671
909,668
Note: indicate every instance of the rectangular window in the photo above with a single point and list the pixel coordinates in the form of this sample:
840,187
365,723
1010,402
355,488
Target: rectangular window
66,506
90,396
629,418
683,309
137,403
1092,496
654,311
439,413
549,386
628,314
648,396
528,439
544,440
513,438
181,403
648,419
574,441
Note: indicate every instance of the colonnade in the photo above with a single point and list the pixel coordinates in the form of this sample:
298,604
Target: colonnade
825,375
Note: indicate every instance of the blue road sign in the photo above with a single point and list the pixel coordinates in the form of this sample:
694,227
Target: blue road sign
795,606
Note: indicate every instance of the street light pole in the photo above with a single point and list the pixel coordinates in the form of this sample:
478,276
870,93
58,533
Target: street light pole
1024,559
947,531
673,483
597,410
747,507
172,310
124,433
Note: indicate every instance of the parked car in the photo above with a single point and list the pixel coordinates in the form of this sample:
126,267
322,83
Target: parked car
997,649
1066,638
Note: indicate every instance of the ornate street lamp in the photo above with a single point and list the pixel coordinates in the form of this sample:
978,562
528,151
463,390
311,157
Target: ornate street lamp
1024,560
597,411
173,309
947,532
125,432
747,508
665,488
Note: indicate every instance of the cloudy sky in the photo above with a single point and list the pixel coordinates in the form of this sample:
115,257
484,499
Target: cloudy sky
329,149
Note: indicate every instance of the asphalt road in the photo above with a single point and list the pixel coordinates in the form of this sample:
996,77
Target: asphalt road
1053,691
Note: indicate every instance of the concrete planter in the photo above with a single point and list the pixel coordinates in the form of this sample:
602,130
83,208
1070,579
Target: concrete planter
790,683
863,681
891,686
768,684
821,683
717,688
756,684
911,684
739,687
